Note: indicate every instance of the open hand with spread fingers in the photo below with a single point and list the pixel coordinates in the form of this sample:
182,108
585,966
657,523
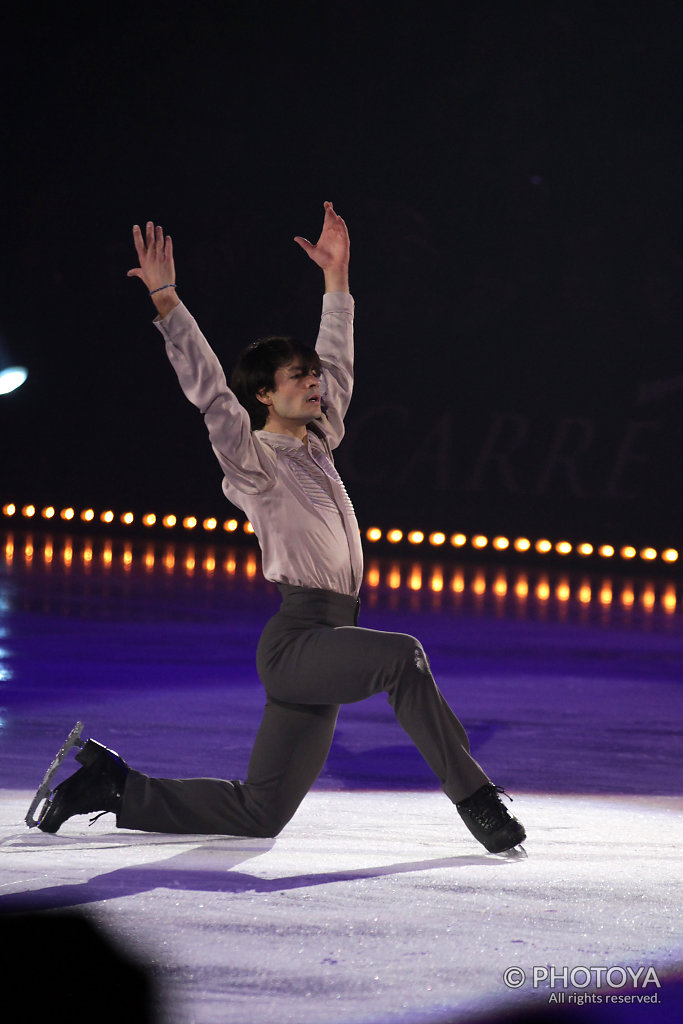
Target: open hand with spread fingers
157,268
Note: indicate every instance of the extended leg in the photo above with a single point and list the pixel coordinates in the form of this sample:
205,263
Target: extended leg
288,755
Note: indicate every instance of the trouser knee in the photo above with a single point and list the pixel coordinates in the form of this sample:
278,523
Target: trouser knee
414,661
411,670
270,824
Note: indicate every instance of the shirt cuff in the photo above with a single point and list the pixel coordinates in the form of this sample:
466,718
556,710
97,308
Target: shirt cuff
338,302
161,322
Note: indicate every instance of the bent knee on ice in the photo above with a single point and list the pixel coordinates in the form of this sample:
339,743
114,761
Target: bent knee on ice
270,824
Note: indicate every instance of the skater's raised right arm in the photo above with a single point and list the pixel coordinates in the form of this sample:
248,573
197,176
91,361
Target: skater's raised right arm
246,465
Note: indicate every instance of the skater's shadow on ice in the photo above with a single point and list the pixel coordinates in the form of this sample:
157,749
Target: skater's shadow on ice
208,869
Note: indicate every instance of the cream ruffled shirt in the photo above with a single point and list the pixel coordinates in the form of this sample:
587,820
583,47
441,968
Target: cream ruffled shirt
290,491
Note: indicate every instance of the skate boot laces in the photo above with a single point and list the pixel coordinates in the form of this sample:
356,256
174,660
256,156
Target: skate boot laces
486,807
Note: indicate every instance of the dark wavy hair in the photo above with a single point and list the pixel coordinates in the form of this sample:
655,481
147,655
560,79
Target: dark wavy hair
256,367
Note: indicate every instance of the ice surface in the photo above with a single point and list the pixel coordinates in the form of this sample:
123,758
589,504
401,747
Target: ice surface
370,906
374,905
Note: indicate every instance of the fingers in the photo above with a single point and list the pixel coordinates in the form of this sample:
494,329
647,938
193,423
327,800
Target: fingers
331,216
155,253
331,213
333,220
154,245
138,242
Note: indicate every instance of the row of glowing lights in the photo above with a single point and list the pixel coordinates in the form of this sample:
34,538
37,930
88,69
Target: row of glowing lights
501,587
521,544
374,534
88,515
412,579
127,557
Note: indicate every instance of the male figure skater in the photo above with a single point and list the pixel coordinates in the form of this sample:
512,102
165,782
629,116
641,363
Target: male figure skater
273,434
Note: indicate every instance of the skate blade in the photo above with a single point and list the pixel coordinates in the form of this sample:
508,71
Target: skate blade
516,853
45,788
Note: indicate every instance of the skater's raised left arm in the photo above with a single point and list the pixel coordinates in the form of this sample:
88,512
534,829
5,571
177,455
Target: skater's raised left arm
331,252
335,339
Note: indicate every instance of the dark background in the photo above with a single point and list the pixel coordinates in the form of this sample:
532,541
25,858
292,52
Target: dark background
511,177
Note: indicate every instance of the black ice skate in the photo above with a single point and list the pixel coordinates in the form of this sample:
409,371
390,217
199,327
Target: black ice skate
97,786
489,820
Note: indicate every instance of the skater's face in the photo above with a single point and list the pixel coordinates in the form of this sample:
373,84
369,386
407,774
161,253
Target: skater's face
294,401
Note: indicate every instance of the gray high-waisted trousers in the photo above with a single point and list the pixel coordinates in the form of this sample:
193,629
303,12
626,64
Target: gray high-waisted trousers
311,658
